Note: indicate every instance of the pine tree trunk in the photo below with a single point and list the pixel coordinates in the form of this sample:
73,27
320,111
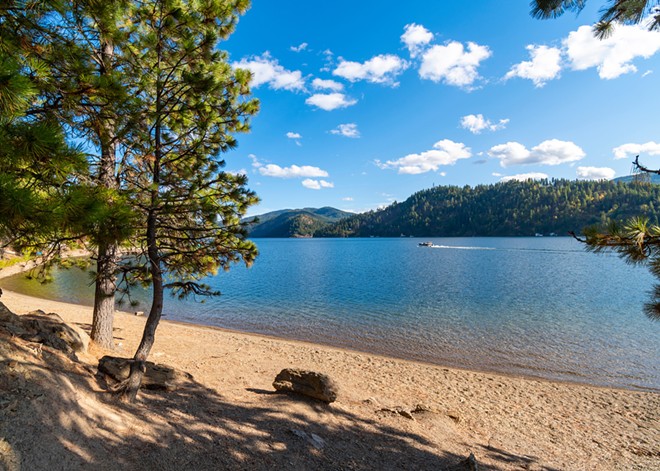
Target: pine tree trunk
129,393
106,264
104,296
138,367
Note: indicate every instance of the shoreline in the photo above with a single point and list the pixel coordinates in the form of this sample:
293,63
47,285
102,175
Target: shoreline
30,303
37,301
393,356
501,355
428,412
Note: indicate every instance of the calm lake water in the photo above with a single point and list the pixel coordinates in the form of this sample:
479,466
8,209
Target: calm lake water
534,306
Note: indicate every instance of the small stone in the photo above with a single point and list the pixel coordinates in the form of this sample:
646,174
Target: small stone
139,313
422,408
298,433
311,438
398,410
454,415
371,401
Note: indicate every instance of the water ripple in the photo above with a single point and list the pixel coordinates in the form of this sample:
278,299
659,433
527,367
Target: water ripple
533,306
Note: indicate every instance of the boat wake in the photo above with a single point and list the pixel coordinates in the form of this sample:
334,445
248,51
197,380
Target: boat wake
508,249
458,247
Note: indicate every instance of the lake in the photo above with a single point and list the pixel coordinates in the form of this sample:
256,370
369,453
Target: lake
540,307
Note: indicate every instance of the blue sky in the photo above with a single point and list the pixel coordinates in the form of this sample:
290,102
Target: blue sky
364,103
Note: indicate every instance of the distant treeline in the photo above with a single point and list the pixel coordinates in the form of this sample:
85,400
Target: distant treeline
504,209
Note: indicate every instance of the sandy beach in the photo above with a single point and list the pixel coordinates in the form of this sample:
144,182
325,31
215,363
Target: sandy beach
390,413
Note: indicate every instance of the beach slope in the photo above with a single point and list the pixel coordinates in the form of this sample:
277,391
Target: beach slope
390,413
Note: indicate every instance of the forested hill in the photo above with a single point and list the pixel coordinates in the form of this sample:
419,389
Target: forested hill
504,209
294,222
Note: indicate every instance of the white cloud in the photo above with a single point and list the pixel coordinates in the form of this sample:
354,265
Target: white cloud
330,101
581,50
626,150
595,173
445,152
347,130
612,56
317,184
477,123
347,198
452,64
647,73
266,70
416,37
295,171
510,153
545,65
299,48
320,84
293,135
383,68
255,161
521,177
550,152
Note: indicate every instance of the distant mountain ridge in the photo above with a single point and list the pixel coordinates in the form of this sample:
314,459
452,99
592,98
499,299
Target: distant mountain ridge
504,209
652,178
294,222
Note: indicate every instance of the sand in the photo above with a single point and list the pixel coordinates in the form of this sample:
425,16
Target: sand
229,417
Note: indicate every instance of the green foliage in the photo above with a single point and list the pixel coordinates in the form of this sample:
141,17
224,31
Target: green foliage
503,209
71,89
37,167
145,89
294,222
615,11
191,103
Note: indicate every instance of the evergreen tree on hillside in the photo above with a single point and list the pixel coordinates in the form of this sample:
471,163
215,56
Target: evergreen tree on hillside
503,209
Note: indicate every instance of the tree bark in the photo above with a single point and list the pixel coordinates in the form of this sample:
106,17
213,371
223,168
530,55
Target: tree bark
130,390
106,264
104,296
138,366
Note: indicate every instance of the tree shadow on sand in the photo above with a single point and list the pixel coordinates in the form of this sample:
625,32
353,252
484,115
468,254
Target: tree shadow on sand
55,415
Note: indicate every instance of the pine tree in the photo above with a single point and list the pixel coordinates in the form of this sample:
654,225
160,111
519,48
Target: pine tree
192,101
40,175
85,88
